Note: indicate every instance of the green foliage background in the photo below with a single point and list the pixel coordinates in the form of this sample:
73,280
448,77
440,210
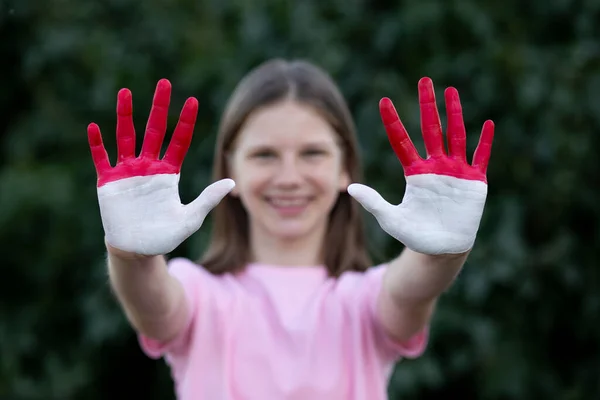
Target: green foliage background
521,322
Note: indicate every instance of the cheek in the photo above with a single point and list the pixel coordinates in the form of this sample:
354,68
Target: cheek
251,184
330,177
249,196
327,182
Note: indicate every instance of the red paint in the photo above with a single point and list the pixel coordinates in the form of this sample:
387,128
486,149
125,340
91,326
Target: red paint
454,161
147,163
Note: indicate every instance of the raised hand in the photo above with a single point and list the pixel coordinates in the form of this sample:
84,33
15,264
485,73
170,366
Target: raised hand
139,197
445,195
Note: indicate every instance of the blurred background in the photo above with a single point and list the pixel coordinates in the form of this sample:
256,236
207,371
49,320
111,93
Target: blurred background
523,319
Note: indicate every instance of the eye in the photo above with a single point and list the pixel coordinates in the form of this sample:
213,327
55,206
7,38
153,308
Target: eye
314,153
263,154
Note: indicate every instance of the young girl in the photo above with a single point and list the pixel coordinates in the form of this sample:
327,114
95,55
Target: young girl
285,303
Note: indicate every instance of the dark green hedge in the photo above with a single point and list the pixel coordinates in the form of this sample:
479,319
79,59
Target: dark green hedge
522,321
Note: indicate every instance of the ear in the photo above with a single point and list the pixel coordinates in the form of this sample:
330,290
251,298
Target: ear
235,192
344,181
231,174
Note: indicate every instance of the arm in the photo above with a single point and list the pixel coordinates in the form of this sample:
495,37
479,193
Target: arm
439,216
153,300
142,214
411,286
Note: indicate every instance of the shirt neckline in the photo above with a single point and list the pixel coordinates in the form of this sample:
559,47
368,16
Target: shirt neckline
317,271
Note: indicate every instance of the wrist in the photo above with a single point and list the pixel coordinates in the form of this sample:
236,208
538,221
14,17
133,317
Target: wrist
449,256
435,263
115,252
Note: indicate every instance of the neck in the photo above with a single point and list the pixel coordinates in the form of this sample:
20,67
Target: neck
300,251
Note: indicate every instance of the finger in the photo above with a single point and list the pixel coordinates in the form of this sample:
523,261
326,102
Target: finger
182,136
430,119
483,151
397,135
457,136
370,199
125,128
197,210
157,121
99,155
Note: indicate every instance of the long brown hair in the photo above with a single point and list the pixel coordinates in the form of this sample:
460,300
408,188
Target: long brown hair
270,82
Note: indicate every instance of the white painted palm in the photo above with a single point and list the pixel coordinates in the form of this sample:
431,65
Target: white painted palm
445,196
139,199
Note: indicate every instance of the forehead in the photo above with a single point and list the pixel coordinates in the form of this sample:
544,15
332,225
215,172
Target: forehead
287,123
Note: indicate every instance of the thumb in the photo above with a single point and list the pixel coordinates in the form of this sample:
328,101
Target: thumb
207,200
369,198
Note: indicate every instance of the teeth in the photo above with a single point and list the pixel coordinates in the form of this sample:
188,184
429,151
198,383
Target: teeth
288,203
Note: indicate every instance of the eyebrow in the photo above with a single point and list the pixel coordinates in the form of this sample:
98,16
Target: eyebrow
319,143
307,144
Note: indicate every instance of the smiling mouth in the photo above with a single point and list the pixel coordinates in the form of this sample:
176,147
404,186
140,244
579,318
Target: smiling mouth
289,206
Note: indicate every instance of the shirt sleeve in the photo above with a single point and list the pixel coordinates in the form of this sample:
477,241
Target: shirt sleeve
366,289
191,276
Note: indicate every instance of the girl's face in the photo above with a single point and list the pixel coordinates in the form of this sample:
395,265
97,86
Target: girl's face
288,169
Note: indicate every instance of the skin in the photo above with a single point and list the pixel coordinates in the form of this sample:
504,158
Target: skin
288,151
288,170
152,299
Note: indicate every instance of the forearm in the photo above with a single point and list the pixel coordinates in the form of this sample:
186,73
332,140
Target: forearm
415,278
151,298
410,289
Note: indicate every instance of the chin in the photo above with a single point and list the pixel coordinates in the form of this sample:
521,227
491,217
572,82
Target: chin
290,232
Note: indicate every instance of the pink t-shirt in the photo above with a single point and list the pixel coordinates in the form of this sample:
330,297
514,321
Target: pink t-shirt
281,333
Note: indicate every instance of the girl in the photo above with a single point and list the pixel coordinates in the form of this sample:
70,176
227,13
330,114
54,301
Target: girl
285,303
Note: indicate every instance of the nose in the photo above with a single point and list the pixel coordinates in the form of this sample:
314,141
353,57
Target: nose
289,174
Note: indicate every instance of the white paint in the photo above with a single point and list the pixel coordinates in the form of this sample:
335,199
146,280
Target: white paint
439,214
144,214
